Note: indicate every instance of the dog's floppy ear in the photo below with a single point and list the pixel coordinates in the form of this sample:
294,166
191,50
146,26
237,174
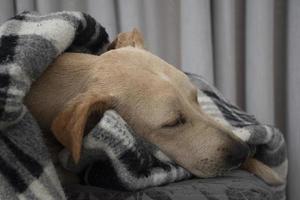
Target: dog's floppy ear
133,38
69,125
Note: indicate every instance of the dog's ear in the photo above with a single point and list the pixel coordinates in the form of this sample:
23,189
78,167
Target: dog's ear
69,125
137,39
133,38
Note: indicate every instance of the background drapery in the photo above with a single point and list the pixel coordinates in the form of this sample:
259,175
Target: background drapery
249,49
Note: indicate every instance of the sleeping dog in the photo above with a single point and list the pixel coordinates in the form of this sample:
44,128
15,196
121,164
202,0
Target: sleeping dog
157,100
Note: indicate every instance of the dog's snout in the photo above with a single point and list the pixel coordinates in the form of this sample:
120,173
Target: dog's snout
238,154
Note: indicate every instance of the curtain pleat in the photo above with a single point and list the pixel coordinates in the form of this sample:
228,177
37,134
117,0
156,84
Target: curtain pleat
76,5
130,14
196,38
153,23
280,63
22,5
47,6
259,59
248,49
161,24
104,11
293,97
227,50
7,9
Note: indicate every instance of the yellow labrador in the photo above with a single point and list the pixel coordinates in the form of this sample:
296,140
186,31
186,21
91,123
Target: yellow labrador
157,100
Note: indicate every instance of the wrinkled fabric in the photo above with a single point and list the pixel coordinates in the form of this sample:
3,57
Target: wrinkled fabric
29,42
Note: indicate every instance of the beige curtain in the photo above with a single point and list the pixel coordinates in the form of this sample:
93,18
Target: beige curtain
248,49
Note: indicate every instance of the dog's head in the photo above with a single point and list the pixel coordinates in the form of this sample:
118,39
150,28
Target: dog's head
157,100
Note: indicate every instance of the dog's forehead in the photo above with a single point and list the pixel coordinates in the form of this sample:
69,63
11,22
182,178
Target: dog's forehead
140,70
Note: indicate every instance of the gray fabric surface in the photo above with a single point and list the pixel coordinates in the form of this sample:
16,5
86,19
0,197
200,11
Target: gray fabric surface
238,185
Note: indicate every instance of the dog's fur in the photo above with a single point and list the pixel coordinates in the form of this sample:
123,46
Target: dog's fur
157,100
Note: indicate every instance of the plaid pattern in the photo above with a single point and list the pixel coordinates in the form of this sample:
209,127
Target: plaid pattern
29,42
114,157
267,142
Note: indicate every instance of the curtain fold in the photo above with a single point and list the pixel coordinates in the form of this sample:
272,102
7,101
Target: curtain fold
259,59
22,5
7,9
280,63
293,97
248,49
46,6
105,12
228,66
196,38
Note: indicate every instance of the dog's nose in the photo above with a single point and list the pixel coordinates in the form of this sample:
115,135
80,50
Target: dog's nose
238,154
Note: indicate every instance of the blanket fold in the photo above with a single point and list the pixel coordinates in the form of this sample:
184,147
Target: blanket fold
114,157
29,42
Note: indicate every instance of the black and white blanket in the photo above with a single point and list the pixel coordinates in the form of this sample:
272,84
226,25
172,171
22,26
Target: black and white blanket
28,44
113,156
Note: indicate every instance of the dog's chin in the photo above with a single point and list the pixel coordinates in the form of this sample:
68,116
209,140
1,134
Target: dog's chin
205,174
210,172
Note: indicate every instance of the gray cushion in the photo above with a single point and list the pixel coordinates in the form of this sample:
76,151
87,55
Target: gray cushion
234,186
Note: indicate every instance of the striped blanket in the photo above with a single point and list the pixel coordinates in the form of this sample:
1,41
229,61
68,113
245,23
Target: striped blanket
112,156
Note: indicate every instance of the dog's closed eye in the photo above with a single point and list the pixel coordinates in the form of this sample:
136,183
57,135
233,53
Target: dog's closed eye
179,120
